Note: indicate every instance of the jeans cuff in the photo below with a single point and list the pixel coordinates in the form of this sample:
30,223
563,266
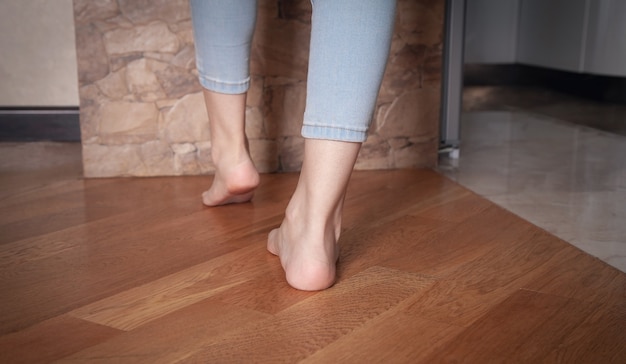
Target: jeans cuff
223,87
333,133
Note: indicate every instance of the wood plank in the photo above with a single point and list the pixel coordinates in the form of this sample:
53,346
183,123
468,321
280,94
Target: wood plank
265,291
94,270
403,192
137,306
392,337
105,197
150,275
91,272
541,323
96,200
599,338
575,274
476,286
102,257
306,327
452,245
44,189
52,339
457,210
395,228
170,338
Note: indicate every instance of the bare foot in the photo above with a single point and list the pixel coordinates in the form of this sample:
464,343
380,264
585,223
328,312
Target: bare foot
308,252
232,184
235,177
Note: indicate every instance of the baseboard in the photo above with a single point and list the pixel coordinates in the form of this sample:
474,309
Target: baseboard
38,124
594,87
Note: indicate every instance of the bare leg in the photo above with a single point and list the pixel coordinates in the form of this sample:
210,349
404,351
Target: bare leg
235,176
306,242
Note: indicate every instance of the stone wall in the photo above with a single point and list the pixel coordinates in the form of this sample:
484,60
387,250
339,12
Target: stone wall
141,106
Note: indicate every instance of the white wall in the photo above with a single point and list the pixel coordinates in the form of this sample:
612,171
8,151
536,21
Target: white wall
491,31
38,53
587,36
553,33
606,40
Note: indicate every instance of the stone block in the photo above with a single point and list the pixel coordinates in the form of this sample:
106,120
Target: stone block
291,153
264,155
185,159
91,54
415,113
112,160
89,10
154,37
113,86
186,58
115,22
166,103
255,92
117,61
374,154
162,57
432,72
280,47
398,143
177,82
421,21
254,123
145,11
90,100
184,31
142,81
205,161
143,114
158,158
186,121
416,155
295,10
284,108
128,118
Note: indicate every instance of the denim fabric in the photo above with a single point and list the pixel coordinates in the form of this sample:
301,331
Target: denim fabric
223,35
350,41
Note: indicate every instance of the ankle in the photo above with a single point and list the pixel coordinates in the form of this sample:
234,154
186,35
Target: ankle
307,219
226,155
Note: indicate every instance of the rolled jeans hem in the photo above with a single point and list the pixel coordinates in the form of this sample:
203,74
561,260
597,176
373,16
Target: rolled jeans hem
225,87
333,133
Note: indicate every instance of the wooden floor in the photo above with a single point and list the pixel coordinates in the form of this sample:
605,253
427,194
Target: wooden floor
137,270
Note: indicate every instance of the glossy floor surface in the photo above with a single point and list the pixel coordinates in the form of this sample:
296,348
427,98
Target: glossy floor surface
552,159
136,270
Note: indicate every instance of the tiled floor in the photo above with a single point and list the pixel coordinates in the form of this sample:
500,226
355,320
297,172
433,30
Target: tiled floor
532,156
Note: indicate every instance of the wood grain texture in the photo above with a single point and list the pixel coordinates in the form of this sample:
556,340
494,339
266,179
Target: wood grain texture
302,329
171,338
541,323
137,270
52,339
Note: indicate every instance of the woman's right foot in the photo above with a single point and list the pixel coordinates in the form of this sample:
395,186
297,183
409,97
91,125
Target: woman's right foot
306,243
309,258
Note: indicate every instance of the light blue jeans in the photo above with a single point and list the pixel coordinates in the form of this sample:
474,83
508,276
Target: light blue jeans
350,41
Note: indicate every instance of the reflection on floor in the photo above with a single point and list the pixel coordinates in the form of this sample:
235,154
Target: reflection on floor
531,156
598,115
